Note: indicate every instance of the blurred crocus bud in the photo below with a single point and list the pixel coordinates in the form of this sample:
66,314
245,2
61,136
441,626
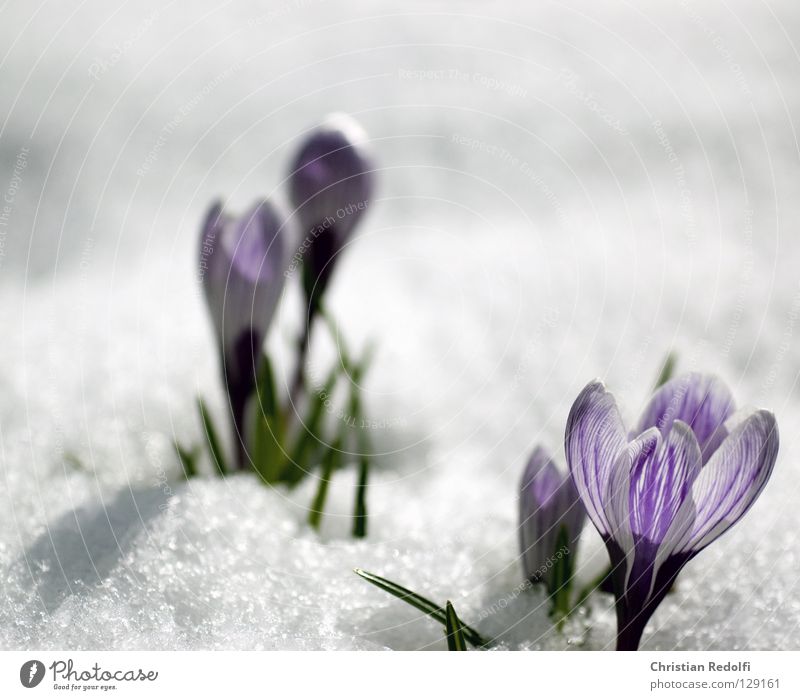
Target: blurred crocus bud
331,184
242,264
551,518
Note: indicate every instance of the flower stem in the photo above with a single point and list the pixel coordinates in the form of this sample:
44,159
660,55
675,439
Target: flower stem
629,634
297,385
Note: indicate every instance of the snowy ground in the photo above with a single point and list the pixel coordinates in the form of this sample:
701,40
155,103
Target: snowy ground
567,193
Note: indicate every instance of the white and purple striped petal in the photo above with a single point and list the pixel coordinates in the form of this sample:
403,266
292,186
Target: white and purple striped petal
733,478
701,401
595,437
661,477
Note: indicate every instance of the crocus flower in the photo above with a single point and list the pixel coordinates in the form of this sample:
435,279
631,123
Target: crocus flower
241,265
331,184
660,495
551,518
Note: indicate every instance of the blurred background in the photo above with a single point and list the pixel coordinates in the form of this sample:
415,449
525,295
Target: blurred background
566,191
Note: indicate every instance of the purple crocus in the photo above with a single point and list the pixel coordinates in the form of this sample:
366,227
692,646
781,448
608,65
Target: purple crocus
661,494
331,185
551,517
242,263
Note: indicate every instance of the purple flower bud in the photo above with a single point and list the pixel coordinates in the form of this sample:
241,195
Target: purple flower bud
242,264
658,497
331,185
551,518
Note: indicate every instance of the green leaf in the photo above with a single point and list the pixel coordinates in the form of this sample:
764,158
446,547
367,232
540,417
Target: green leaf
266,393
348,363
308,443
360,510
268,429
362,448
560,582
455,634
217,455
423,604
188,460
667,369
329,465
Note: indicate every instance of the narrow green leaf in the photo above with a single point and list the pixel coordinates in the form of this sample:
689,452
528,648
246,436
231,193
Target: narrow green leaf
336,336
308,442
188,460
362,448
217,456
423,604
267,395
560,582
356,372
667,369
329,465
346,357
268,455
455,634
360,510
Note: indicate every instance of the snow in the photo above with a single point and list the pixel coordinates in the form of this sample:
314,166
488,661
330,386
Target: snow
627,186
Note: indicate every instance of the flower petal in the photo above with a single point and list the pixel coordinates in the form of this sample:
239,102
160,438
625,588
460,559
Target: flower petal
333,176
733,479
595,437
662,475
256,255
255,243
537,536
701,401
617,499
548,503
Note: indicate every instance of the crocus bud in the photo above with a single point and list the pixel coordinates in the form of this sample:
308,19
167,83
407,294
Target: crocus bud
551,518
331,184
242,263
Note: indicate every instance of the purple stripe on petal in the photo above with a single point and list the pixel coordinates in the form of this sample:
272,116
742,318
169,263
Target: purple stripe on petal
701,401
595,436
662,475
733,478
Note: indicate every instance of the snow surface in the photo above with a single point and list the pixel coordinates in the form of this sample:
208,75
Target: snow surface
607,183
